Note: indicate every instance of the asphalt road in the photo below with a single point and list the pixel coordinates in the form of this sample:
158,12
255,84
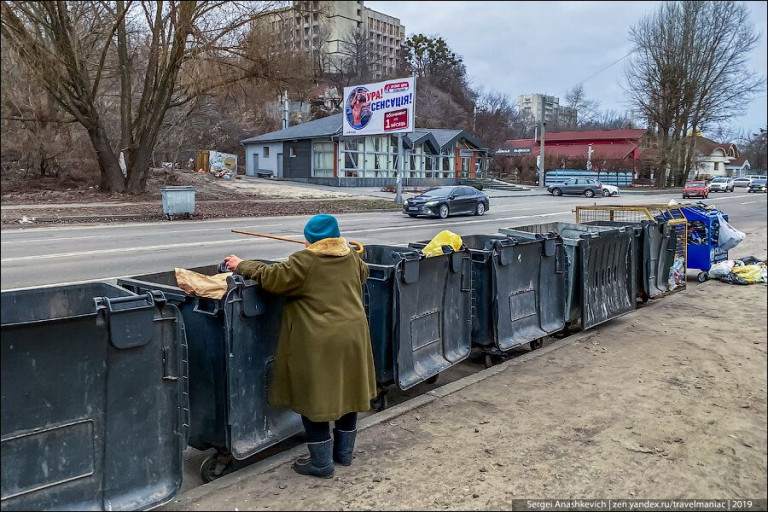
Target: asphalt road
61,255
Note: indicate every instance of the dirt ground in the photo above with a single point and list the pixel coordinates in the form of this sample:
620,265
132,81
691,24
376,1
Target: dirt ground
214,198
666,402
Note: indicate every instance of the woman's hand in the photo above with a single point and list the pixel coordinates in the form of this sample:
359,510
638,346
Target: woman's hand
232,262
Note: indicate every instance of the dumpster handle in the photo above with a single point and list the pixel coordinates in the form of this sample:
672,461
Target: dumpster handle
209,312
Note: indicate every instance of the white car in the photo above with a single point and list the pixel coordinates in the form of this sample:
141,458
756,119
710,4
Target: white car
610,190
742,182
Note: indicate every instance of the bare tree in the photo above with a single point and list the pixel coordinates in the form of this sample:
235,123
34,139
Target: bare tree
587,109
495,119
688,72
151,56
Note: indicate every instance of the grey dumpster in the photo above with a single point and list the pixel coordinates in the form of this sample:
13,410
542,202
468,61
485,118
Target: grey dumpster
178,201
601,271
94,404
655,253
232,343
419,313
519,287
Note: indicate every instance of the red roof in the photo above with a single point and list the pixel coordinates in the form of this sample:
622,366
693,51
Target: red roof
595,135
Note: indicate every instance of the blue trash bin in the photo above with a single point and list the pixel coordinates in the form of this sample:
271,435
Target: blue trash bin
232,343
703,237
94,399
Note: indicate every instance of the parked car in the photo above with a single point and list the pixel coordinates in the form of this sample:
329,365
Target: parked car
577,186
758,185
610,190
695,189
447,200
742,182
721,184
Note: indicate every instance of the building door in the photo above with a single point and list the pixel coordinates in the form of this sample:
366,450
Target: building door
255,164
279,170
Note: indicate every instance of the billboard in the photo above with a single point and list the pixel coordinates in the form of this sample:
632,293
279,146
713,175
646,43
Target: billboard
382,107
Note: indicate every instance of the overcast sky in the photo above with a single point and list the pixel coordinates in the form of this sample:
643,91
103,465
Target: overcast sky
548,47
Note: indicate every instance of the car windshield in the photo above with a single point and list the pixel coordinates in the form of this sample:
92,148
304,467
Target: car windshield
742,179
437,192
719,180
694,184
759,182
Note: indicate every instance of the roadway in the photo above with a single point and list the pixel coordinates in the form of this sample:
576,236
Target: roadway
32,257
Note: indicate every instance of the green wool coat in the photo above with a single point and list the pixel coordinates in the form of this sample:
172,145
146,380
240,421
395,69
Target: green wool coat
323,367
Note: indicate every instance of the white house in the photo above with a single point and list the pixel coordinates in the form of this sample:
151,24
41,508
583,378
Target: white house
717,159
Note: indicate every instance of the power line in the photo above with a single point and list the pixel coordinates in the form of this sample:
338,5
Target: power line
598,72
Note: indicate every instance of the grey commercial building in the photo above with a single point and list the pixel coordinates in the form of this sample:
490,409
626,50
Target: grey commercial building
317,152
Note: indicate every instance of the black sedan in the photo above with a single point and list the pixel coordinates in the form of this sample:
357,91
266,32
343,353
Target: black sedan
449,200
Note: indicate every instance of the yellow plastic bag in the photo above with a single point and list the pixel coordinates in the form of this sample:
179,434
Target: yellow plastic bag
435,246
194,283
751,273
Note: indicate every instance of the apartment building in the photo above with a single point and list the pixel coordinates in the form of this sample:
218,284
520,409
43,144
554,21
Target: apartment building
324,28
385,38
529,106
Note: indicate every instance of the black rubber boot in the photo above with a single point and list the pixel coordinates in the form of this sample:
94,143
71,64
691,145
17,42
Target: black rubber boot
320,461
343,446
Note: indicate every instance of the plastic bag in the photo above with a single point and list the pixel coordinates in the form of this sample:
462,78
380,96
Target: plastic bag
721,269
676,274
435,246
751,273
730,237
194,283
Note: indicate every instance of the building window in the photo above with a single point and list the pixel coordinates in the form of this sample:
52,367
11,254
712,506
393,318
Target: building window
292,151
266,151
322,154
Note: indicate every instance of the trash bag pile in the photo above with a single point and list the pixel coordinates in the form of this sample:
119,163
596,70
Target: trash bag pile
748,270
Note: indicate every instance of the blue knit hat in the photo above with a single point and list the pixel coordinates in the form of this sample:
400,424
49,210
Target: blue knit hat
321,226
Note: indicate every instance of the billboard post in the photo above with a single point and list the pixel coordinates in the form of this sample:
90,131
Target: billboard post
378,109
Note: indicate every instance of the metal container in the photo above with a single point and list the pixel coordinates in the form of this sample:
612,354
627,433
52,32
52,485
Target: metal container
94,399
419,313
232,343
178,201
601,272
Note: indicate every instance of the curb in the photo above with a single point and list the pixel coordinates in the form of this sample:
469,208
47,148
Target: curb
290,455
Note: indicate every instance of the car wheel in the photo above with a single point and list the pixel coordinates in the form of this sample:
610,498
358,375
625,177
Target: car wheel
442,212
606,193
589,193
557,192
480,209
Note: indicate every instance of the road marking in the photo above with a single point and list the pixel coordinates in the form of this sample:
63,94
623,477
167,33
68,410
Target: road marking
250,239
749,202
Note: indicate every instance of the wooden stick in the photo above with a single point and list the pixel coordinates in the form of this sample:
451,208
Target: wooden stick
268,236
357,245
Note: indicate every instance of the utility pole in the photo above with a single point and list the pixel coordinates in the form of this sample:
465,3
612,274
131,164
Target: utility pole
541,146
285,109
399,182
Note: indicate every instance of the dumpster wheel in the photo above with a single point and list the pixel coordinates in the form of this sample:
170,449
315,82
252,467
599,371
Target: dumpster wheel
702,277
214,466
537,343
487,360
432,379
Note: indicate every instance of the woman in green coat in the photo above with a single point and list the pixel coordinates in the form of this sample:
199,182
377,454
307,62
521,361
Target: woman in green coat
323,367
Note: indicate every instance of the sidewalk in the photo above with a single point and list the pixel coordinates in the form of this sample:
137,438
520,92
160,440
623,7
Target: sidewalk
666,402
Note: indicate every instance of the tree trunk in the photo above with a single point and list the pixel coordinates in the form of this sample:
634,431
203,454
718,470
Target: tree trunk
138,173
112,175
